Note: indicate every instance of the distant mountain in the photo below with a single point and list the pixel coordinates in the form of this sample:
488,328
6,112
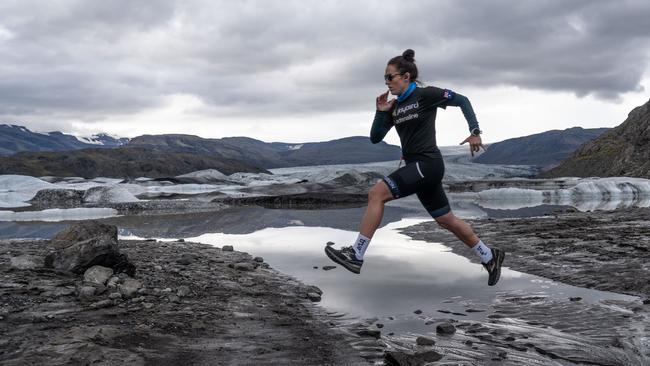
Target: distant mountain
622,151
349,150
122,162
15,139
546,149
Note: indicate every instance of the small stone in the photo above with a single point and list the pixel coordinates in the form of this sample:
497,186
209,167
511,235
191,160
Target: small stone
86,291
313,296
174,298
403,358
315,267
379,325
575,298
147,305
418,311
101,304
445,329
329,243
244,266
183,291
503,354
258,259
265,265
181,240
474,310
369,333
327,268
167,290
115,295
130,287
646,302
509,339
113,282
424,341
469,343
98,275
227,248
391,333
157,268
150,240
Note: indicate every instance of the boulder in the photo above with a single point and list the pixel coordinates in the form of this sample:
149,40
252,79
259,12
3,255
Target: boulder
57,198
98,275
445,329
424,341
86,244
399,358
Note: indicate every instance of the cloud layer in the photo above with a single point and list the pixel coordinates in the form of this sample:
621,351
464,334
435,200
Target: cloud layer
85,60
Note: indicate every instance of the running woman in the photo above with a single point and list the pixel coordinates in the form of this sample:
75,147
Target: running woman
413,114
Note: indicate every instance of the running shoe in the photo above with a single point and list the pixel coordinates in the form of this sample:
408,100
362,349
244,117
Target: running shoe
345,257
494,266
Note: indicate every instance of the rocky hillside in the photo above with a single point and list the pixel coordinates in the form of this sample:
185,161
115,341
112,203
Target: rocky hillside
622,151
15,139
349,150
124,162
546,150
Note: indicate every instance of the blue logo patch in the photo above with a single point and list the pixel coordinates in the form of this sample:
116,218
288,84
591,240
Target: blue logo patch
448,94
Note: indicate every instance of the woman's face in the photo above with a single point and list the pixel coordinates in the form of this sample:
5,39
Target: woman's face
396,82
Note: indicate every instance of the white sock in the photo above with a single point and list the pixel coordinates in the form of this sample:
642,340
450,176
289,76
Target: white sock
360,246
483,251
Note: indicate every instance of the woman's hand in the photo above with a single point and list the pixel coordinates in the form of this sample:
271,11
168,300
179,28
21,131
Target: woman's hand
475,143
383,104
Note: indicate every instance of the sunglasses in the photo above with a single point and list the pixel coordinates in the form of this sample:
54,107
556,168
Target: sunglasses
389,77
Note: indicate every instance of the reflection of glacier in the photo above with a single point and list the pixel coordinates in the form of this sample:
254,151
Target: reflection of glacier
587,195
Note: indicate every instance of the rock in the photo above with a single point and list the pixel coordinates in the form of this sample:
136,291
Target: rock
424,341
244,266
86,291
418,311
174,298
181,240
227,248
379,325
312,288
258,259
327,268
147,305
475,310
98,275
129,287
315,267
575,298
509,339
58,198
183,291
108,195
399,358
369,333
646,302
83,245
157,268
329,243
26,262
115,296
113,282
186,259
445,329
101,304
313,296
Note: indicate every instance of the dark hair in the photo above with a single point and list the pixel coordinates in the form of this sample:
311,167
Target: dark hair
406,63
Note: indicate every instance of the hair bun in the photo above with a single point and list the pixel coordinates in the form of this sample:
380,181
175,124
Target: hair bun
409,55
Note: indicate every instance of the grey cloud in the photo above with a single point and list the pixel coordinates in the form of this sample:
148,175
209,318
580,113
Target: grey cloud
92,59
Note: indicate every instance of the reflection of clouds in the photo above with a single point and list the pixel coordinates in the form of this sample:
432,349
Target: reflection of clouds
399,274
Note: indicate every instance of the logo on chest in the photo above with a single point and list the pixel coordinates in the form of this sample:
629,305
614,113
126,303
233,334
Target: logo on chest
406,113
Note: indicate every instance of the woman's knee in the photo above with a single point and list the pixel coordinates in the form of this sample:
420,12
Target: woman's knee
446,221
380,192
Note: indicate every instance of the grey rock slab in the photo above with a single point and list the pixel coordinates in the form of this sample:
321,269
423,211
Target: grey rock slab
98,274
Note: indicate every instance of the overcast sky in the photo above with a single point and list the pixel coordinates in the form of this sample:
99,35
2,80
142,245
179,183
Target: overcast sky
297,71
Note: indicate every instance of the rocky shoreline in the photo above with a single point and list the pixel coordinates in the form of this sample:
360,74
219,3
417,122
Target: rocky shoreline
185,303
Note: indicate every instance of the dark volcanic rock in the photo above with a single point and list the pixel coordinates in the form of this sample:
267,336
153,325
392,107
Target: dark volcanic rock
86,244
398,358
445,329
424,341
57,198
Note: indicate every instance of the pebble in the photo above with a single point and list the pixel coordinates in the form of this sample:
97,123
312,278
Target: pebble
313,296
575,298
183,291
115,295
227,248
158,268
379,325
418,311
258,259
244,266
327,268
369,333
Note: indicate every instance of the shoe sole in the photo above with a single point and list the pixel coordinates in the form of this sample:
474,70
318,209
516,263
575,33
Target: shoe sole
344,264
500,258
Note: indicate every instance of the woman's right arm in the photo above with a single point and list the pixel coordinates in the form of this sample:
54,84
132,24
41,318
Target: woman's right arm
383,121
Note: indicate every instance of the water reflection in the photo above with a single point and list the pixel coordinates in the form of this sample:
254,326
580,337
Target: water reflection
400,275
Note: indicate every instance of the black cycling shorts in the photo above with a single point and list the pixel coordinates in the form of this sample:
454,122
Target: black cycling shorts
424,177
